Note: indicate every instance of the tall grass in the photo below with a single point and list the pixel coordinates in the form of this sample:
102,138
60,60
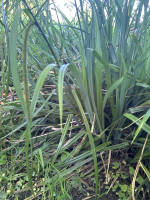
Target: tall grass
73,79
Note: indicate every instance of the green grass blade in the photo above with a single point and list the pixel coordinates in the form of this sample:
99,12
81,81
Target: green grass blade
13,60
147,172
41,158
60,89
39,86
145,127
145,118
90,139
64,132
111,89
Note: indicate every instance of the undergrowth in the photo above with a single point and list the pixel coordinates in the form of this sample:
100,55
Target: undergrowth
74,107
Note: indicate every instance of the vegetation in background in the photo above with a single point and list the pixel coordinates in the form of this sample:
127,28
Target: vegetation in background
74,99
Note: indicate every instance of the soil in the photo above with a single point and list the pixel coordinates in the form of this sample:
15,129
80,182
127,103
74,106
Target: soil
79,196
76,195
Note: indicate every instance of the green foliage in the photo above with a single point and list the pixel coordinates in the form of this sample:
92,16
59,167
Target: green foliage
3,159
116,165
120,181
68,91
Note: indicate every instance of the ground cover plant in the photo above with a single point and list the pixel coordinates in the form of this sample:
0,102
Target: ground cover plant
74,100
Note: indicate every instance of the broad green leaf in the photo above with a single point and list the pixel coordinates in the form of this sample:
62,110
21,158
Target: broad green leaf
131,170
116,165
139,179
123,187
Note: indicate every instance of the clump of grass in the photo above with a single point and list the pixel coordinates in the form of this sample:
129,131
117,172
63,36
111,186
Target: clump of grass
78,86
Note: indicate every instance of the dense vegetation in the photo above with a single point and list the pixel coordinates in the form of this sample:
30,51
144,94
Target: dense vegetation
74,99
